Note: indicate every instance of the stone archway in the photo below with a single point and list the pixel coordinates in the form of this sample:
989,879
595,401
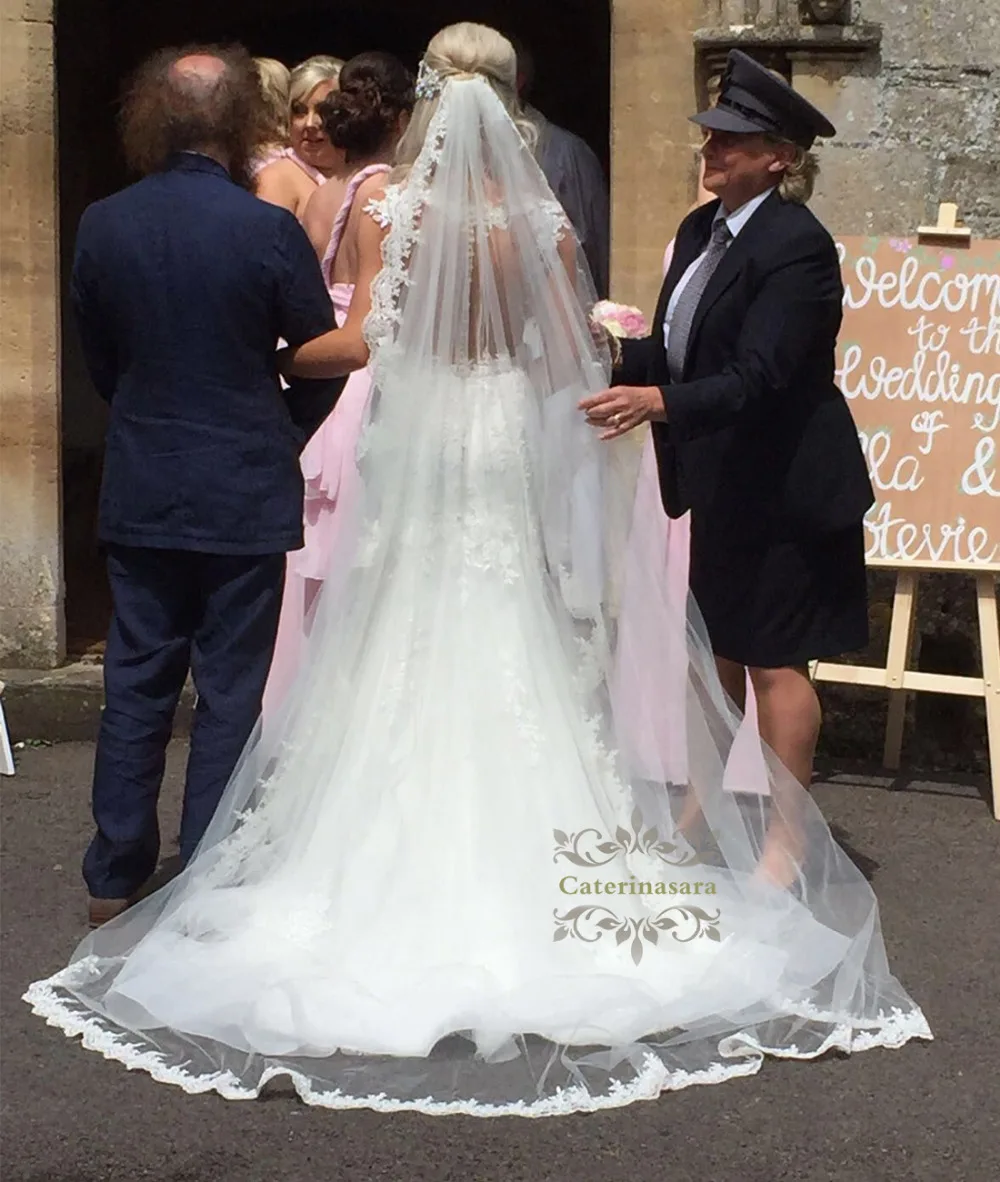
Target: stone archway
652,171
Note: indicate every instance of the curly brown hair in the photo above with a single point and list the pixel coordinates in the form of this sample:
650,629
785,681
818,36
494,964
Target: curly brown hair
165,111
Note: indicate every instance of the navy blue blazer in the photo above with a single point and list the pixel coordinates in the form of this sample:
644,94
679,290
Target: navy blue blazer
182,286
758,436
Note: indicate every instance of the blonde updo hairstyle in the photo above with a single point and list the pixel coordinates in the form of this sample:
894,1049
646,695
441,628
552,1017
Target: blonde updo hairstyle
309,74
465,50
274,77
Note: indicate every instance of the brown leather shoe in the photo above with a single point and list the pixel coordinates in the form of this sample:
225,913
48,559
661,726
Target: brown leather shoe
101,910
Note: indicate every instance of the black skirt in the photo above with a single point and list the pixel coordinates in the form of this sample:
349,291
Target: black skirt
773,603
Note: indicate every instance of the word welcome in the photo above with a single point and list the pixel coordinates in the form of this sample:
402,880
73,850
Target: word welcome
903,286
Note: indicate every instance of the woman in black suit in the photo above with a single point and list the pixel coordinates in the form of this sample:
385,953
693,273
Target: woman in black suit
751,433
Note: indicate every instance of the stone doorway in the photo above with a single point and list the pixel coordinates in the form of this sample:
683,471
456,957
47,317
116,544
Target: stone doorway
619,72
99,43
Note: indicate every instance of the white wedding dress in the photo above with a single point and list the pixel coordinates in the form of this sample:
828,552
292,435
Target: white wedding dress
403,900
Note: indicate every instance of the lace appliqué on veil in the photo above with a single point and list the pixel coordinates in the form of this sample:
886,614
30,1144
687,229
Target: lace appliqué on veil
399,211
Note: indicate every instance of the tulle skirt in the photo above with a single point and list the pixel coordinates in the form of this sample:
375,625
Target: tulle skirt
453,881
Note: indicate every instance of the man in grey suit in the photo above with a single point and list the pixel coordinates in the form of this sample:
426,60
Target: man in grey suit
575,176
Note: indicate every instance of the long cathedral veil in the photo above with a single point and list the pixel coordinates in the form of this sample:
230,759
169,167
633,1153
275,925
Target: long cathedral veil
389,904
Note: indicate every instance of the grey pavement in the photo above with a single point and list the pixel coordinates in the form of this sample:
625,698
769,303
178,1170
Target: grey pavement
929,1112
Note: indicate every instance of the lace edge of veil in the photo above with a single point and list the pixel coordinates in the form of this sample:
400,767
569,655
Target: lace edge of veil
399,209
744,1053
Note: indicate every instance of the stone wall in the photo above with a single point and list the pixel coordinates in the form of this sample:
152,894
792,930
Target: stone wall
31,588
913,88
918,123
654,173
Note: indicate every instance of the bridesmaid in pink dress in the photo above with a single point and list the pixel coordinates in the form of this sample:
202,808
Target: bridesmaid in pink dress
289,175
660,728
364,118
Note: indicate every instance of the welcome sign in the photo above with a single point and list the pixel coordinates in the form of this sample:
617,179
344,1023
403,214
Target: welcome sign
919,362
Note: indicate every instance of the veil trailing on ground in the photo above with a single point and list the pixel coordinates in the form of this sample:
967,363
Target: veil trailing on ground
485,861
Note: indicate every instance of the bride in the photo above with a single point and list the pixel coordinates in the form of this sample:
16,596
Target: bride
450,879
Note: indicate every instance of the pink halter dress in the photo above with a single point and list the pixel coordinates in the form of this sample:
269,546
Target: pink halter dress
332,483
269,157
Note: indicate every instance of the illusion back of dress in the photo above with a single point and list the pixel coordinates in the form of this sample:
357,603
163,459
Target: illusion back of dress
483,277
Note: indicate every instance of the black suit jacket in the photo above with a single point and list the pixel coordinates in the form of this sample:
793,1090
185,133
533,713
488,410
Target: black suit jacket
758,437
183,285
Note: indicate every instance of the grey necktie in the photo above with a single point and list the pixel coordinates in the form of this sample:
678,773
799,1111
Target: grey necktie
690,297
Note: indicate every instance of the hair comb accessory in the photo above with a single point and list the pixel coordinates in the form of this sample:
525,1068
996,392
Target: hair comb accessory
429,82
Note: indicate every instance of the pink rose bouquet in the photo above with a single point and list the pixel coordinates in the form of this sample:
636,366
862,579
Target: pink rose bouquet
622,321
618,322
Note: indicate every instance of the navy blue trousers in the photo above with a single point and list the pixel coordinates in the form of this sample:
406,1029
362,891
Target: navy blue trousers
175,610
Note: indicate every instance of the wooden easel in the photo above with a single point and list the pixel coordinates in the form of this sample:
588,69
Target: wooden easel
947,230
896,676
901,681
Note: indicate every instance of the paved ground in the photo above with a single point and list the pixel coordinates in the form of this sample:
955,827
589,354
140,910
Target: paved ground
926,1113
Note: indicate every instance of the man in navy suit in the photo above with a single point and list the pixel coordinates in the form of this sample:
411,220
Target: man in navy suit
183,285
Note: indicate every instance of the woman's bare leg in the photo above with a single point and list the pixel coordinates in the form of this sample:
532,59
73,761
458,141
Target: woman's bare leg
734,681
789,717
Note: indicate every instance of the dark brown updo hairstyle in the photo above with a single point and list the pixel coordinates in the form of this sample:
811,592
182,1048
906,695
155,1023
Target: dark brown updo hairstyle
362,115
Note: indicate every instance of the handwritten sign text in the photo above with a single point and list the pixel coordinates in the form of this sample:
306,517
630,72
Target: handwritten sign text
919,363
